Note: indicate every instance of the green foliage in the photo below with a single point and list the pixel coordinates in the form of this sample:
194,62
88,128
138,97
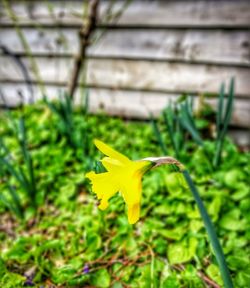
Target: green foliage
223,119
182,124
159,136
66,125
181,252
214,273
23,175
101,279
71,243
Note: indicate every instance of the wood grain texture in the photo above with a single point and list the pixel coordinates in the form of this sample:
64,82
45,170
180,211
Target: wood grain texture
219,47
133,104
196,13
139,13
135,75
147,58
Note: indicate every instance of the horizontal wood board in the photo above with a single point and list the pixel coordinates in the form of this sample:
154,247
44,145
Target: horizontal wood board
130,74
216,47
135,104
140,13
156,49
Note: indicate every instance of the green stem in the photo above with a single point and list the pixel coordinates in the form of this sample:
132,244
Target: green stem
218,149
211,232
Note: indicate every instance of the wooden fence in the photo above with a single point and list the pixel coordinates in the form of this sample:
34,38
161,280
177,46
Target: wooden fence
156,51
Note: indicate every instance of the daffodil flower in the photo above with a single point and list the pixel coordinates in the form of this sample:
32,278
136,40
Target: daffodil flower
123,175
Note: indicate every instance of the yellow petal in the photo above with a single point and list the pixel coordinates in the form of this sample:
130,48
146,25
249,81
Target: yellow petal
142,166
111,164
133,213
108,151
104,204
130,189
104,185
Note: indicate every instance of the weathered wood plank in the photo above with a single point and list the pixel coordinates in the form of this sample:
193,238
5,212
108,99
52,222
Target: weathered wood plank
141,13
114,102
222,47
191,45
134,104
41,41
137,75
240,136
197,13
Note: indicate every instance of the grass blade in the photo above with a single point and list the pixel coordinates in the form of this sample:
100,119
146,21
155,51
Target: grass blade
169,121
16,201
86,104
211,233
219,115
159,136
12,170
7,204
229,108
188,123
223,125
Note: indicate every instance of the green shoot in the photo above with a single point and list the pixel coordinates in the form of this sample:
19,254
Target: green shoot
224,113
211,232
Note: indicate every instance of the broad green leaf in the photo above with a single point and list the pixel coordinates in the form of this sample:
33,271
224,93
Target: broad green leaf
182,252
233,221
175,234
101,278
214,207
214,273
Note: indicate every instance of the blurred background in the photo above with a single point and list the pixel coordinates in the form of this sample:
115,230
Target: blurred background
148,78
137,57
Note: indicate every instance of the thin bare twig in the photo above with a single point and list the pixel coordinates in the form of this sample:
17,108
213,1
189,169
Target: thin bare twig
208,280
85,34
205,278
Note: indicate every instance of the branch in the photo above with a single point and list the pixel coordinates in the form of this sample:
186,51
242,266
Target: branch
85,34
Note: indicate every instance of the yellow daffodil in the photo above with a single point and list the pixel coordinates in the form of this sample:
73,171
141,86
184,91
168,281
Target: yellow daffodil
123,175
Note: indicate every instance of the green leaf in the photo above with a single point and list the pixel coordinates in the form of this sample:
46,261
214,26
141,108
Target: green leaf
233,177
242,279
3,269
64,274
195,225
214,207
183,251
243,190
219,114
158,136
214,273
232,221
175,234
239,261
93,241
101,279
171,282
117,285
175,182
12,280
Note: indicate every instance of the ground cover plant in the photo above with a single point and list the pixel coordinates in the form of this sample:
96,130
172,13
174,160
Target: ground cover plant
53,235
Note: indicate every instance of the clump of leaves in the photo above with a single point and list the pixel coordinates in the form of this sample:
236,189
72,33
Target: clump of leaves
180,123
22,174
70,243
